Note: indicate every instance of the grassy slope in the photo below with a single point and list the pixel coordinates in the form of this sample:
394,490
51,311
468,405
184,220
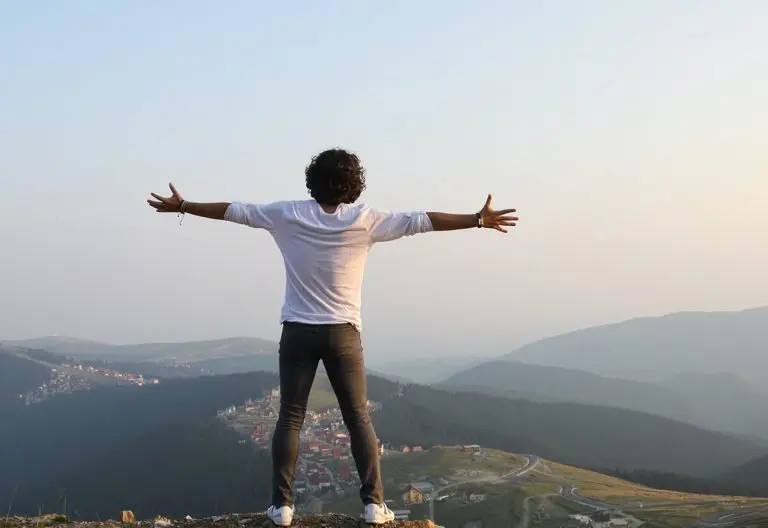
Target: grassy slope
505,501
617,491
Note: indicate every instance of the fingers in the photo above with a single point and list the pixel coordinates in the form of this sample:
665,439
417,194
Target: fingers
161,198
488,201
174,192
505,211
160,207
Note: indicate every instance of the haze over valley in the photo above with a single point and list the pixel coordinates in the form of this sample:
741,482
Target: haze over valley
558,207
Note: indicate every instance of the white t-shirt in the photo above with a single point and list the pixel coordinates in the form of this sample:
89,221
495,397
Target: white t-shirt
325,253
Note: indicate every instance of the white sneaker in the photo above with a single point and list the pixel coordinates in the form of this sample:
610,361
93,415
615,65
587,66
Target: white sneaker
378,514
281,516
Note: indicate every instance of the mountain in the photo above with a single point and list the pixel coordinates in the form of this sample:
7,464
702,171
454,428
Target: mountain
190,351
424,370
655,348
752,473
31,375
217,356
577,434
135,435
554,384
720,402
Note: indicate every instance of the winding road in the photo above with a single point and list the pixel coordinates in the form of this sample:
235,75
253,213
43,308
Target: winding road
530,464
739,516
742,516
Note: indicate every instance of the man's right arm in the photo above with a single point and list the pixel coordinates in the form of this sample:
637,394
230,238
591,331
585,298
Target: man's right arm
452,222
486,217
265,216
391,226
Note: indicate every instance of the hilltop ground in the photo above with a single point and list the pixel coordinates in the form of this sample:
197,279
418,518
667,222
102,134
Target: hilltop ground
226,521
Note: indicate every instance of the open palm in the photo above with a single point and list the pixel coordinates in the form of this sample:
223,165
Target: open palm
497,220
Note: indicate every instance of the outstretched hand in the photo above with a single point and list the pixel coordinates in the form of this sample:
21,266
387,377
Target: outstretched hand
172,204
497,219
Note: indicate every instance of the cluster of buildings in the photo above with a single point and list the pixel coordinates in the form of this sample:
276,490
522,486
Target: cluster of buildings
325,461
599,519
135,379
325,467
59,383
70,378
422,492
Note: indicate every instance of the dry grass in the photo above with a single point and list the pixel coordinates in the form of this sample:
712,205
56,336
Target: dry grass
447,462
617,491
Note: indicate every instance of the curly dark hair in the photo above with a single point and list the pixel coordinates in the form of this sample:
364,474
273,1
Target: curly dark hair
334,177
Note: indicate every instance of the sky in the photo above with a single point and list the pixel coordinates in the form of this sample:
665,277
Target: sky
630,136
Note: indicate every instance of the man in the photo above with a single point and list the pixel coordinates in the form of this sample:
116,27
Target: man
325,242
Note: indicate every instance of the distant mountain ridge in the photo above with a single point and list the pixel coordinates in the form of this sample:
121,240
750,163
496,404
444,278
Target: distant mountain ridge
719,402
213,356
668,365
656,348
152,351
424,370
555,384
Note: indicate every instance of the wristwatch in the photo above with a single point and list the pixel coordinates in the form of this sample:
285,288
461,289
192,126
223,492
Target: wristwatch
479,220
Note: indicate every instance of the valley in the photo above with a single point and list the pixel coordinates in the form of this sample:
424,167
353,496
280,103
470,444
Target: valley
494,442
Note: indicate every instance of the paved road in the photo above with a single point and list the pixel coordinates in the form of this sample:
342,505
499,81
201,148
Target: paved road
531,462
571,493
746,515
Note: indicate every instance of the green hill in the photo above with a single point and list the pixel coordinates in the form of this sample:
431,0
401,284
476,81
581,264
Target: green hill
754,473
195,467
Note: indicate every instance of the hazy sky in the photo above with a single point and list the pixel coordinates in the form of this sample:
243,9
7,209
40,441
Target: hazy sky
631,136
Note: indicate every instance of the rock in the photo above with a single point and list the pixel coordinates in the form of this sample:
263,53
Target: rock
255,520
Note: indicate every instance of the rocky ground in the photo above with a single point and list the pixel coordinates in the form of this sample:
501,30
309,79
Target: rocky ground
224,521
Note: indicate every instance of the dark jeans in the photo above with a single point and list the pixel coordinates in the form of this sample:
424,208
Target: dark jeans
302,347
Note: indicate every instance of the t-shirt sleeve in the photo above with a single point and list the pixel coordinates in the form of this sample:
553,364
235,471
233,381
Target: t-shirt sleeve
387,225
264,216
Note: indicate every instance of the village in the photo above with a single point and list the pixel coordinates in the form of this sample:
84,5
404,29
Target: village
67,378
325,470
